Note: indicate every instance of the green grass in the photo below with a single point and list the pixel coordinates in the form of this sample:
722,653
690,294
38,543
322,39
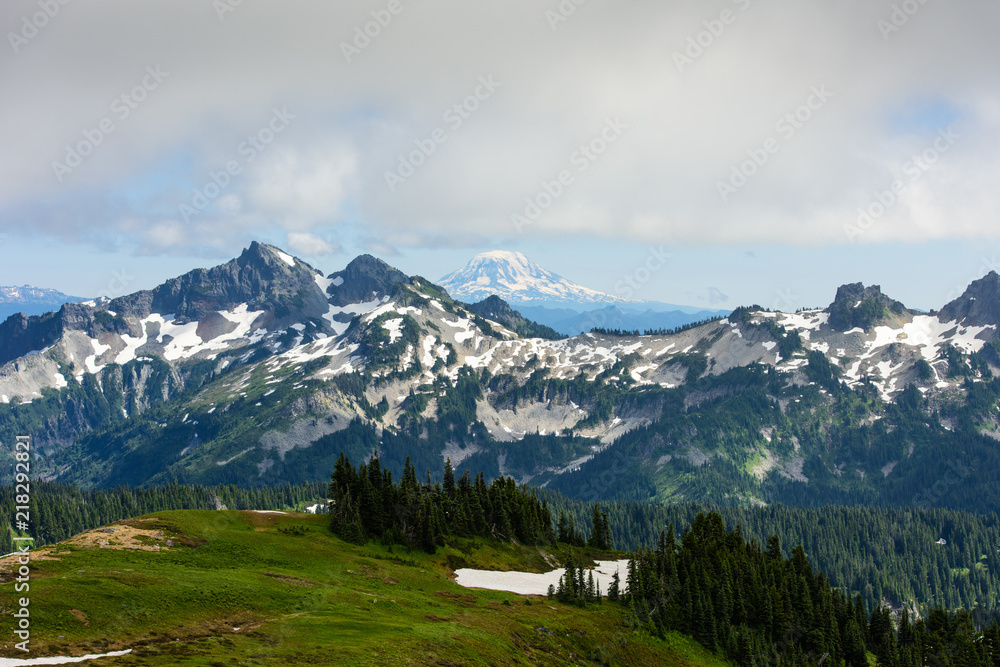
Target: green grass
312,599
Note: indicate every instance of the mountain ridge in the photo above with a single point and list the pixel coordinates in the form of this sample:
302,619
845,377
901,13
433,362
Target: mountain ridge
286,368
31,300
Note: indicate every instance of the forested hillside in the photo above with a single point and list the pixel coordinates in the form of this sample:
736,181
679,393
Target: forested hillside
757,607
885,555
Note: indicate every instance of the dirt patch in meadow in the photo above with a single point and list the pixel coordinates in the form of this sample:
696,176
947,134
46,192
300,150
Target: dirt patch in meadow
80,616
124,535
120,535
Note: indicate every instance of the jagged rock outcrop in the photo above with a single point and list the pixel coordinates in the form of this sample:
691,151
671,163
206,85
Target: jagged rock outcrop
857,306
979,305
364,279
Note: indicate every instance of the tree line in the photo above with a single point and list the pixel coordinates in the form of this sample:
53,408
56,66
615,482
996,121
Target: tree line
367,504
750,603
59,511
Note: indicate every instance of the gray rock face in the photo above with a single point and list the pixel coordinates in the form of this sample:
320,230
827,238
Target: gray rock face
857,306
258,277
979,305
496,309
20,334
364,279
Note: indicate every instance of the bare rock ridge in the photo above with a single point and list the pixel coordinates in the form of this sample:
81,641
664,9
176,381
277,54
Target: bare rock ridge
496,309
979,305
857,306
362,280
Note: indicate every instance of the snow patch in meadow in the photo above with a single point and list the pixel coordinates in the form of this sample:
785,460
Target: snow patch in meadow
531,583
60,660
384,308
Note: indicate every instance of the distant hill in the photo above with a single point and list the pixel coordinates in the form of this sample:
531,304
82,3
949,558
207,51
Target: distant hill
31,300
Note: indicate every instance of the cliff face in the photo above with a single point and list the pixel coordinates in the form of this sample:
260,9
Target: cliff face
979,305
857,306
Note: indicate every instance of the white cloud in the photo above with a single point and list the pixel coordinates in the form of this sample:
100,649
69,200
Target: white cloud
657,182
309,245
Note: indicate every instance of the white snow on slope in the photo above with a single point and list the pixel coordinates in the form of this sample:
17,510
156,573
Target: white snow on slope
928,333
186,342
393,327
351,309
89,361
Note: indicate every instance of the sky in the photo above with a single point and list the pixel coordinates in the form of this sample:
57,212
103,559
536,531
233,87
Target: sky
767,152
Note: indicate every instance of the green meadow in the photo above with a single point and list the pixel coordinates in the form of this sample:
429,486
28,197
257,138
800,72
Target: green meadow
246,588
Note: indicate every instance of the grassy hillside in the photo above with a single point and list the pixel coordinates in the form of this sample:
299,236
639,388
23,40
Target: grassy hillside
247,588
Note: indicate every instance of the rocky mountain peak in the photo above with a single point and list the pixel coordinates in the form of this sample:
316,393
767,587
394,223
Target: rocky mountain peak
979,305
366,278
857,306
262,276
496,309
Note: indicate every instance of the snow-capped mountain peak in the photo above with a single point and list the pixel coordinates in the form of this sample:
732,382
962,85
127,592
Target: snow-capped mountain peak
31,300
516,279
